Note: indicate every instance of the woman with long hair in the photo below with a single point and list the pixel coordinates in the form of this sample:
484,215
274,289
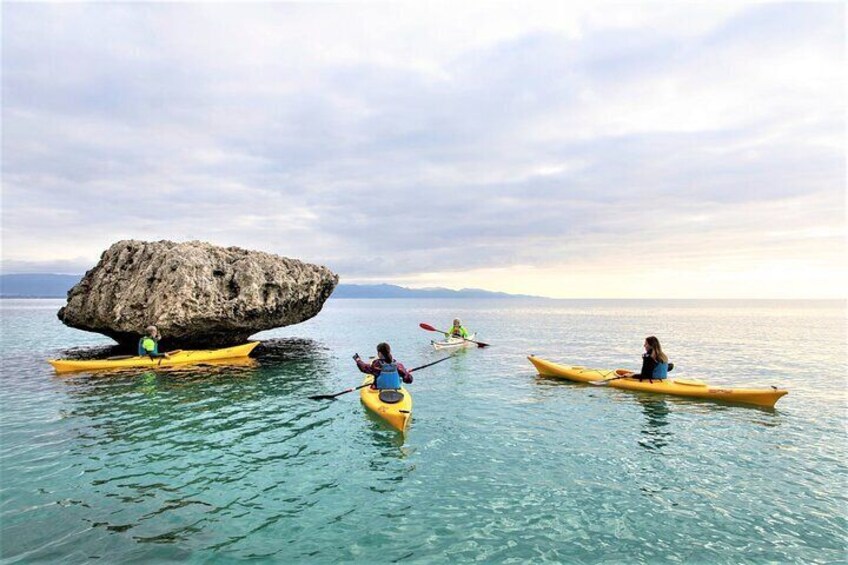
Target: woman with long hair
387,370
654,361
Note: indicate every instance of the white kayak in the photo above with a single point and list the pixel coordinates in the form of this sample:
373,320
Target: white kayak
454,342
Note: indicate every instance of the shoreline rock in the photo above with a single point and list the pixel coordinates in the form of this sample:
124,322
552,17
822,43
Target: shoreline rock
199,295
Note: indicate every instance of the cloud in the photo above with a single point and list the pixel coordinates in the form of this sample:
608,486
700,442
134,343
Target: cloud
402,141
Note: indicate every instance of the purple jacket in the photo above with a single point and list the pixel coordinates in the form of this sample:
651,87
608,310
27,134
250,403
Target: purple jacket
377,364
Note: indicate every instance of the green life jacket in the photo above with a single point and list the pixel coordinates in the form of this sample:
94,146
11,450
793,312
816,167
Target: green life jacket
147,345
459,332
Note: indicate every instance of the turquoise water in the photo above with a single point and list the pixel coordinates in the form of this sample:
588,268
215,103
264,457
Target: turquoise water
223,463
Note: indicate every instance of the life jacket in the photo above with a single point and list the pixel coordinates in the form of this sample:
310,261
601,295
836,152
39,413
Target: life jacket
459,331
146,346
660,371
389,378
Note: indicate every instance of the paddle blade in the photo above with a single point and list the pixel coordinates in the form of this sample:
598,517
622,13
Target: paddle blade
323,397
481,345
427,327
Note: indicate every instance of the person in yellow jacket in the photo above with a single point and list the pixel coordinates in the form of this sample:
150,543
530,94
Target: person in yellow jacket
458,330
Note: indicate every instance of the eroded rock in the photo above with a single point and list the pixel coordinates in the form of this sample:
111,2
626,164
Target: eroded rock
197,294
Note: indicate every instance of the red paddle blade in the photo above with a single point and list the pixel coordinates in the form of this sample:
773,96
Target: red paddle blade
427,327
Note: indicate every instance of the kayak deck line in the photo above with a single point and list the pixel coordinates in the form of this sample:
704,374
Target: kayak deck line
689,388
176,358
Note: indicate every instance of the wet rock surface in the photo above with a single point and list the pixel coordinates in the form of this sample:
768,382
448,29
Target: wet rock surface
197,294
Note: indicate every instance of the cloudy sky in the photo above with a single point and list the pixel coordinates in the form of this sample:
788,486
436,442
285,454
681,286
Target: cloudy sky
662,150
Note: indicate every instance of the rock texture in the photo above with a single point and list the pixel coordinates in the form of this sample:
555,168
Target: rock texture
197,294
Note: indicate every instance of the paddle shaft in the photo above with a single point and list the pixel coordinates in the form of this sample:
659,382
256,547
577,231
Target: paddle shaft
430,328
430,364
331,396
627,376
605,381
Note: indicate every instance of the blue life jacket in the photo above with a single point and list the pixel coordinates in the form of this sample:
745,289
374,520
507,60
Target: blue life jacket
388,377
660,371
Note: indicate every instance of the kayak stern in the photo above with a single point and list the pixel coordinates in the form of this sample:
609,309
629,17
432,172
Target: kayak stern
397,415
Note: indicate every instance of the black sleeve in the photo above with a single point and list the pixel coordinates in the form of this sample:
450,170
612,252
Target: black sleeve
648,365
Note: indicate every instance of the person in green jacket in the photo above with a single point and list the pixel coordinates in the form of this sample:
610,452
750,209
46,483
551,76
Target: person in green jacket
148,345
458,330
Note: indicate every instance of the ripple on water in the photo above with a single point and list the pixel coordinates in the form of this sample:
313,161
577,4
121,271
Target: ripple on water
232,462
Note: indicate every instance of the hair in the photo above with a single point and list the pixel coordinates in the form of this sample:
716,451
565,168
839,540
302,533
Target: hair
150,330
656,349
385,352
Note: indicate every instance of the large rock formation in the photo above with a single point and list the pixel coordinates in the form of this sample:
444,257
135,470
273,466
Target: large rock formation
197,294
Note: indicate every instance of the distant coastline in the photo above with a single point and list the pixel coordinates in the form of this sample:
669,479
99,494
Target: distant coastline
36,285
53,286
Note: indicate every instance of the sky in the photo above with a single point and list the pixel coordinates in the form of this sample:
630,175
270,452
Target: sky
659,150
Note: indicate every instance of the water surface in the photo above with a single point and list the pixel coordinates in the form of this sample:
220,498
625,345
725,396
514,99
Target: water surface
499,464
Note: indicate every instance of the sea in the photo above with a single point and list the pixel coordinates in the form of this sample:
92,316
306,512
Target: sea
224,463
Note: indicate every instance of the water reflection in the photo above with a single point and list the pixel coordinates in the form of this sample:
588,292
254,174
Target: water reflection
148,443
387,460
384,435
655,436
290,349
124,403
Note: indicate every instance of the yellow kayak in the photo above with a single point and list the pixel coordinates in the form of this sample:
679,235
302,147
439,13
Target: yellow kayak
690,388
396,414
179,357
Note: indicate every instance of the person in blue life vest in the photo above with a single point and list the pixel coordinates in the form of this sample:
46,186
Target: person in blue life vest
148,345
458,330
387,370
654,361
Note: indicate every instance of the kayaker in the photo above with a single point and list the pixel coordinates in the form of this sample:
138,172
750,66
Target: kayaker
458,330
654,361
387,370
148,345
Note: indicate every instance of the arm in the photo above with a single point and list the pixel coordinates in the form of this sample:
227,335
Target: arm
406,376
366,368
647,371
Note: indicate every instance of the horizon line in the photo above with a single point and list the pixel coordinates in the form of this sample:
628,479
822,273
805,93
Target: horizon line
459,290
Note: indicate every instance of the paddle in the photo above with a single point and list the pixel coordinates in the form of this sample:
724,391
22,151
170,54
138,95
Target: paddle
120,357
430,328
629,374
606,381
333,396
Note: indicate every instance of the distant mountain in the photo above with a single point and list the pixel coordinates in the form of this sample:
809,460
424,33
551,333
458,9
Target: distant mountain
392,291
37,285
57,286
